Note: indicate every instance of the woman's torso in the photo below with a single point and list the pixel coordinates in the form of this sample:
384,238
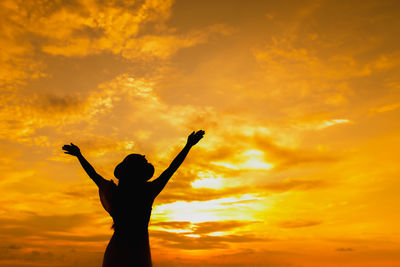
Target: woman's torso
130,209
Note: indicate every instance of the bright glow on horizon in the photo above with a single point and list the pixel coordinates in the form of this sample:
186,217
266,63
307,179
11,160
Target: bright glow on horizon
214,183
254,161
203,211
193,235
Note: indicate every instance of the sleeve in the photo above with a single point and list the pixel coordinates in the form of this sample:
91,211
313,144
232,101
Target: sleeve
106,190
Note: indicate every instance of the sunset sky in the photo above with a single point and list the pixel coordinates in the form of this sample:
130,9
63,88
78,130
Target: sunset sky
300,102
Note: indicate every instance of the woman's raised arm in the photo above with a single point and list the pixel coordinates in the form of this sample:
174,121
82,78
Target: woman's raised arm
159,183
75,151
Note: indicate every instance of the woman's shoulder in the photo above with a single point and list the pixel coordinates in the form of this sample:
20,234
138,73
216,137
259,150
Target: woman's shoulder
106,192
107,185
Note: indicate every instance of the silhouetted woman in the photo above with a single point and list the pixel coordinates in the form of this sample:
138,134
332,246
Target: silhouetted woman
129,203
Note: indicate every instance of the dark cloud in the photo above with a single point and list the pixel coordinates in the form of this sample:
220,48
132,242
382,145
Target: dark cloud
44,226
298,223
49,255
203,242
244,252
58,103
14,252
38,240
56,222
79,238
345,249
13,246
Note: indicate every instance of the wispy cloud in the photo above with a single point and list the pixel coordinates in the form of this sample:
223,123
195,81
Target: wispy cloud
298,223
345,249
386,108
201,242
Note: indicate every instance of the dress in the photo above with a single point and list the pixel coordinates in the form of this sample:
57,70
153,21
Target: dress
130,209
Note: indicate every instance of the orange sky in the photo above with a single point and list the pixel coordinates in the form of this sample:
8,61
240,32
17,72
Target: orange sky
300,101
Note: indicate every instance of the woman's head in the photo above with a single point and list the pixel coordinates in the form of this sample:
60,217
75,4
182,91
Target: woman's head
134,168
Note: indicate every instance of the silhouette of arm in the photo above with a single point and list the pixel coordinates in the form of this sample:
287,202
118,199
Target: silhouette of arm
75,151
160,182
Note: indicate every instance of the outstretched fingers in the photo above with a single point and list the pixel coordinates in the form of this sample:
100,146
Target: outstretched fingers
71,149
200,132
195,137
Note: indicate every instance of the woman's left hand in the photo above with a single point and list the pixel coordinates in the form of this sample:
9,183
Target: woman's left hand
72,150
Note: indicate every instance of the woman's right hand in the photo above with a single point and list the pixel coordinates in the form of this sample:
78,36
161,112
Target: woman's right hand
72,150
